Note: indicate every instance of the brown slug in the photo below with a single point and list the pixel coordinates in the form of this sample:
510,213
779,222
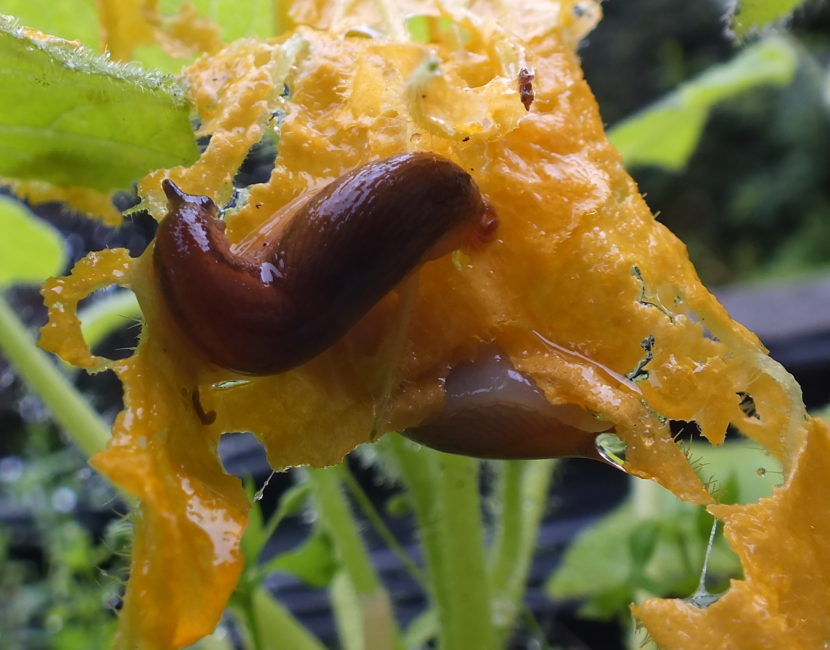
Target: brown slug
268,310
491,410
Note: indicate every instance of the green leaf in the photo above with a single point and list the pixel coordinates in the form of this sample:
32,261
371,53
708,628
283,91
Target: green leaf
30,249
112,312
151,56
399,505
744,471
313,562
752,15
69,117
418,28
597,560
74,20
278,627
642,541
253,18
422,629
609,603
666,133
597,566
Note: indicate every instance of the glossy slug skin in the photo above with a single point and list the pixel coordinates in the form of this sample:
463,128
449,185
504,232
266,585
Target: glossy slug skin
345,248
491,410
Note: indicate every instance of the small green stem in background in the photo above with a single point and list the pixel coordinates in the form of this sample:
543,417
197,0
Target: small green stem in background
371,513
418,468
70,410
521,491
245,601
445,495
379,629
470,624
337,520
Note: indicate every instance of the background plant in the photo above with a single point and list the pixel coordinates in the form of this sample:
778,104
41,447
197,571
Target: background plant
442,491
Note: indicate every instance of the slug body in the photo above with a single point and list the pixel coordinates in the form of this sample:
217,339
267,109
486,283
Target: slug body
276,307
491,410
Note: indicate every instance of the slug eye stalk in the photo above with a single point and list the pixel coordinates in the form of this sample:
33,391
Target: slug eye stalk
268,310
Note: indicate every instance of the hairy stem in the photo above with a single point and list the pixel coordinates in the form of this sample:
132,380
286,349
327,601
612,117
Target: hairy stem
70,410
521,491
379,630
445,496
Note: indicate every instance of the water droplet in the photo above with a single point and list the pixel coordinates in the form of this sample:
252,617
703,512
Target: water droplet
229,383
703,599
261,491
612,448
415,138
110,600
64,500
11,469
761,471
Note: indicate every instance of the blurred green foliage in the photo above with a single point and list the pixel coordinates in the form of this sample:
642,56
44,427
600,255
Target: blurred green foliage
76,20
747,191
30,249
62,591
753,201
666,133
752,15
654,545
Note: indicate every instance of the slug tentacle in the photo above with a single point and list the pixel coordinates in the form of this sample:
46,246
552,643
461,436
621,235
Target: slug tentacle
343,250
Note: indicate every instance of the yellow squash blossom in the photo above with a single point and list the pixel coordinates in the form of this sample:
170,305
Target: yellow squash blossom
580,281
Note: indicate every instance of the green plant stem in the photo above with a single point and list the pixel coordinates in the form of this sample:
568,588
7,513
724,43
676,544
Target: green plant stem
348,615
470,624
445,495
521,497
379,630
70,410
257,536
419,472
371,513
244,597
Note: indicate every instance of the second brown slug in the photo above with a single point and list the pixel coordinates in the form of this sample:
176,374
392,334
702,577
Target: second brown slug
273,308
491,410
